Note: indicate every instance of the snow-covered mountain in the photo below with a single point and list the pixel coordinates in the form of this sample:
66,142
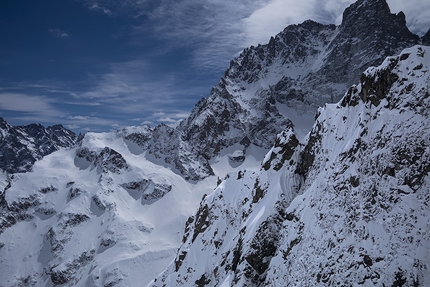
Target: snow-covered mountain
348,206
98,214
21,146
352,195
282,83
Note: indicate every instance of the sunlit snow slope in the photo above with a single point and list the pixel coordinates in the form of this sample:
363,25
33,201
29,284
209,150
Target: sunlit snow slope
95,215
348,207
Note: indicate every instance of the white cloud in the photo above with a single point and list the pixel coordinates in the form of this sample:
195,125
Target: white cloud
95,122
272,18
72,126
82,103
93,5
171,118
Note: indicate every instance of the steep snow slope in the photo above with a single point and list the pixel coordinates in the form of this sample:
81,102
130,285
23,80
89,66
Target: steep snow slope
347,207
96,215
21,146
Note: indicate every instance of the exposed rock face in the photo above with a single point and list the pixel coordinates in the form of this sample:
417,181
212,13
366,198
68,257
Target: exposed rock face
301,68
21,146
164,145
349,206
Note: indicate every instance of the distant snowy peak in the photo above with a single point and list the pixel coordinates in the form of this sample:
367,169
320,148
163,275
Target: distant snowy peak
97,214
348,206
21,146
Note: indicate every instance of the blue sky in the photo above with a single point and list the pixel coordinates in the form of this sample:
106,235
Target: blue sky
99,65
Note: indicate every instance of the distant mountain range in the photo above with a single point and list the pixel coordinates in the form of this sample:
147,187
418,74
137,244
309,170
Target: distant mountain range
335,196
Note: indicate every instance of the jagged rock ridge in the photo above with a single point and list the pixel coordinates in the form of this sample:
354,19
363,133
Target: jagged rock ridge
347,207
21,146
301,68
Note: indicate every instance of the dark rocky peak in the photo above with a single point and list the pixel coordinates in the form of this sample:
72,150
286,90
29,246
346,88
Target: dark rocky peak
369,32
34,130
365,9
425,40
374,16
21,146
61,135
3,123
5,128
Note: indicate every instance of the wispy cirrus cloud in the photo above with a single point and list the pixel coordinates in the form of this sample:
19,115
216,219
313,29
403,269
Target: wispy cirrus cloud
212,30
134,90
95,6
216,30
58,33
125,92
28,104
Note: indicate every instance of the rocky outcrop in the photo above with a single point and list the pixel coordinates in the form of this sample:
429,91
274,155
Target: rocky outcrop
21,146
165,145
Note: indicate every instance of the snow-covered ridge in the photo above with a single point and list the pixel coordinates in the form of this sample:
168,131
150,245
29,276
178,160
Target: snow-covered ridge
349,206
95,215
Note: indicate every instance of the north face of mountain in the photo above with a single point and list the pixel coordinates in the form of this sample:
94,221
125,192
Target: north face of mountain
280,84
21,146
347,207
